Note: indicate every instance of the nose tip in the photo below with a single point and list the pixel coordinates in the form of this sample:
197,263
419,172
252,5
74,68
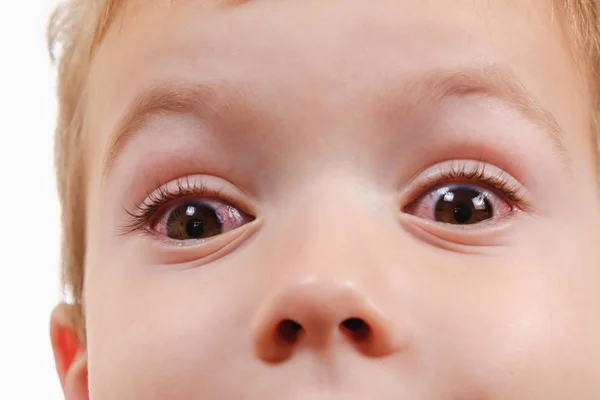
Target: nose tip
318,315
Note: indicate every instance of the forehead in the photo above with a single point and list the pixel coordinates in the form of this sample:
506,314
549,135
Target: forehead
285,47
168,28
147,35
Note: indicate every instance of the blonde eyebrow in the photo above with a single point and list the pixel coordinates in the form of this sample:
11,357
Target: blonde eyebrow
495,81
207,100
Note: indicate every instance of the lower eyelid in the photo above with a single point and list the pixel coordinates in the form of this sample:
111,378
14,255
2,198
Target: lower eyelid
457,238
196,253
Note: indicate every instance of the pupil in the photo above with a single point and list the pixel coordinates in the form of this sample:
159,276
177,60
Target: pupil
194,228
462,214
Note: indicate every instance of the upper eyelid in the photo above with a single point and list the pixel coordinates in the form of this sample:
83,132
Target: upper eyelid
182,190
467,169
163,194
476,174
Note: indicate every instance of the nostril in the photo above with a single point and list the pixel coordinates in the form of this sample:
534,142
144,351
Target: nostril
289,330
357,328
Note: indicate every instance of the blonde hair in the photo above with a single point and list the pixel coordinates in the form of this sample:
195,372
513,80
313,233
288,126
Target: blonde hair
77,28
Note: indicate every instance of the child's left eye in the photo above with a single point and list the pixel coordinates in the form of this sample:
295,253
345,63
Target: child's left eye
199,219
460,204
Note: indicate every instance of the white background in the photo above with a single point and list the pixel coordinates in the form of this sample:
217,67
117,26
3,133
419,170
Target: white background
29,213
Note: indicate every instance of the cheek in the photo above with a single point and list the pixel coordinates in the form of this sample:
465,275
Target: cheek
171,328
527,328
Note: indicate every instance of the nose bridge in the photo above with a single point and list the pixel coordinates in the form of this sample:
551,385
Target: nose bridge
339,233
330,287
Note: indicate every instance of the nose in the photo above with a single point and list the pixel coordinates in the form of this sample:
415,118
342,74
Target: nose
319,313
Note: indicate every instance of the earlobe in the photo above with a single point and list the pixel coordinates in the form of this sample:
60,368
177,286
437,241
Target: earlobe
70,353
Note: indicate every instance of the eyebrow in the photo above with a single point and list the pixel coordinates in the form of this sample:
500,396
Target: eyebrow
496,81
212,101
209,101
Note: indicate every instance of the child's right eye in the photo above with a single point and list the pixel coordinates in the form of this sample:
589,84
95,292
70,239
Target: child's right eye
185,210
199,219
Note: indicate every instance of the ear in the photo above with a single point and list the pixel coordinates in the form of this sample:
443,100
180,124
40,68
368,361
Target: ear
70,354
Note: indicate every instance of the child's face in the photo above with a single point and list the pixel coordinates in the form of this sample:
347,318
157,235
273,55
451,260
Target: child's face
390,199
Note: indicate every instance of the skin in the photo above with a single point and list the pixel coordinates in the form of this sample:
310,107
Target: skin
321,124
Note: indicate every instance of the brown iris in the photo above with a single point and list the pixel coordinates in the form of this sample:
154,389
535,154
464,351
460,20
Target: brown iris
193,221
463,206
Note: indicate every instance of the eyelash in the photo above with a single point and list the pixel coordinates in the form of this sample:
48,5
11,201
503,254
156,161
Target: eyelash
478,173
157,200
